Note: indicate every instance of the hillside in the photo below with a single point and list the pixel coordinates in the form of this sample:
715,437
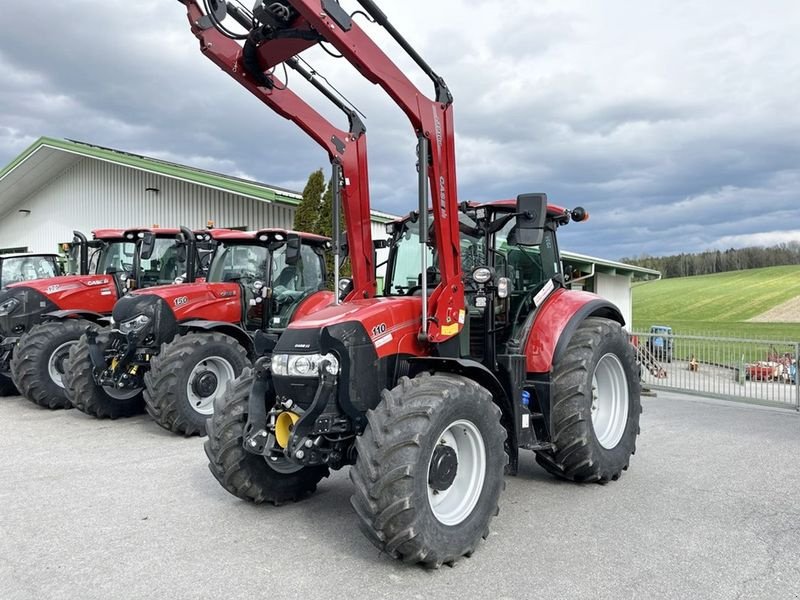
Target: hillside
721,304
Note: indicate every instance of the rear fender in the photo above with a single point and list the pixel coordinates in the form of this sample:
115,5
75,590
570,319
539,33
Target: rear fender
60,315
234,331
547,332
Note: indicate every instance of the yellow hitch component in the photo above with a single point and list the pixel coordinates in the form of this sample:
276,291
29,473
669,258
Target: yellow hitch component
134,369
114,363
283,427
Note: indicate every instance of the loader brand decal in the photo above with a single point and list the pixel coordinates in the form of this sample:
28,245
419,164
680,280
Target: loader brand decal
180,301
450,329
543,293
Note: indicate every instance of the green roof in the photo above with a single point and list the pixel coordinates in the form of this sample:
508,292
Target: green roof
202,177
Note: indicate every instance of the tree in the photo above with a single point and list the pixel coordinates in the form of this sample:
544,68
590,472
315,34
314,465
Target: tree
306,218
325,227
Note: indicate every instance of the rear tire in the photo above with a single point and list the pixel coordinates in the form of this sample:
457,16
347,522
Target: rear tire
595,405
93,399
39,364
406,506
245,475
187,376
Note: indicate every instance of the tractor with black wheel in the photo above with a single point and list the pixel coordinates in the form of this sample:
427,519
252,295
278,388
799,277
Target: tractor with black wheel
174,349
474,350
41,320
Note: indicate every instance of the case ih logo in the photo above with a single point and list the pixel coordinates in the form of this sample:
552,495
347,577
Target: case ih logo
180,301
97,282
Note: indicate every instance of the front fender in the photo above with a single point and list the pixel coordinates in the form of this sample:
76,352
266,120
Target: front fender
234,331
548,330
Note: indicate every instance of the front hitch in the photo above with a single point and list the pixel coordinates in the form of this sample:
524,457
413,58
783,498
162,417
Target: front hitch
301,446
96,353
255,431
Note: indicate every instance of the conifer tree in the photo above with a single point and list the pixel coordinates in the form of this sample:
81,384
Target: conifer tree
306,218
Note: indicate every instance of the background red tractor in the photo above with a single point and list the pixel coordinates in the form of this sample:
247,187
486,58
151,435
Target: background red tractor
40,320
173,349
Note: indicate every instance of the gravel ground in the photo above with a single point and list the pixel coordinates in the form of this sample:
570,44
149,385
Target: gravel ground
99,509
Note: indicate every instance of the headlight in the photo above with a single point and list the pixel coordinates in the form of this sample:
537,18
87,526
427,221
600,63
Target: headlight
303,365
8,306
134,325
482,275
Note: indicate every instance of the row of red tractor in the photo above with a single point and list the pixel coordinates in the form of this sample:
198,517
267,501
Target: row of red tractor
160,319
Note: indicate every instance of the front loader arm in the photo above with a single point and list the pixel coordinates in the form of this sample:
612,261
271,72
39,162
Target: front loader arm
346,149
305,23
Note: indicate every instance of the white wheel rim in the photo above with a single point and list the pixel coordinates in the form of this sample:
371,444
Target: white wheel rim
122,393
609,401
217,367
456,503
56,360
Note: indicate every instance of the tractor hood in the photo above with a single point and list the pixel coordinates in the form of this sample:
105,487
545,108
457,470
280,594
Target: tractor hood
200,300
96,293
392,324
23,304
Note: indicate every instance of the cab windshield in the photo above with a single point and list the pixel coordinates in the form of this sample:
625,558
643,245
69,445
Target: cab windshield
164,265
112,257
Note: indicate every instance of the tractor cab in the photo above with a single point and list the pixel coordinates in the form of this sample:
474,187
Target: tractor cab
276,270
16,268
504,278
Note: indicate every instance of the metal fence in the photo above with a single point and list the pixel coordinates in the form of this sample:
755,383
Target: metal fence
757,371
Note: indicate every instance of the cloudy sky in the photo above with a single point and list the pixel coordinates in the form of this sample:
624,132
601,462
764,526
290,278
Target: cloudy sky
675,123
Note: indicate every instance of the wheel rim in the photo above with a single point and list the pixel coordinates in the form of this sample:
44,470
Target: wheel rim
609,401
122,393
207,382
55,366
454,504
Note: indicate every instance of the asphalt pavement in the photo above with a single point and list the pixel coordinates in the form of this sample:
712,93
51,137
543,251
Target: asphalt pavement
710,508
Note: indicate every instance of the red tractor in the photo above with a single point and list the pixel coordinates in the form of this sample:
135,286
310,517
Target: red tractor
40,320
474,350
173,349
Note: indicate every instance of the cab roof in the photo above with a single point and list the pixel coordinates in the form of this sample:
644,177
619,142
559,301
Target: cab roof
272,233
119,234
28,255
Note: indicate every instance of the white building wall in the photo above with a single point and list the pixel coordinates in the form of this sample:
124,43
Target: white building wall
93,194
617,289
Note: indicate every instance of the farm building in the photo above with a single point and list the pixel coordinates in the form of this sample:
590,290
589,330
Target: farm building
57,186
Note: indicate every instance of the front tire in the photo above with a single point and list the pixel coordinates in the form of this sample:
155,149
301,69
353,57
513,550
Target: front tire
430,469
595,405
243,474
187,377
39,364
93,399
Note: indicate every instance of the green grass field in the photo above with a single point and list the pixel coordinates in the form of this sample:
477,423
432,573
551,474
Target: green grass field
719,304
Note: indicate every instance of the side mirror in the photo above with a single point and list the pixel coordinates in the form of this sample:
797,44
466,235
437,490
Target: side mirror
530,222
148,245
293,246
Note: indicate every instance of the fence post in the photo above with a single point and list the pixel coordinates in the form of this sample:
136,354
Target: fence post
797,376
